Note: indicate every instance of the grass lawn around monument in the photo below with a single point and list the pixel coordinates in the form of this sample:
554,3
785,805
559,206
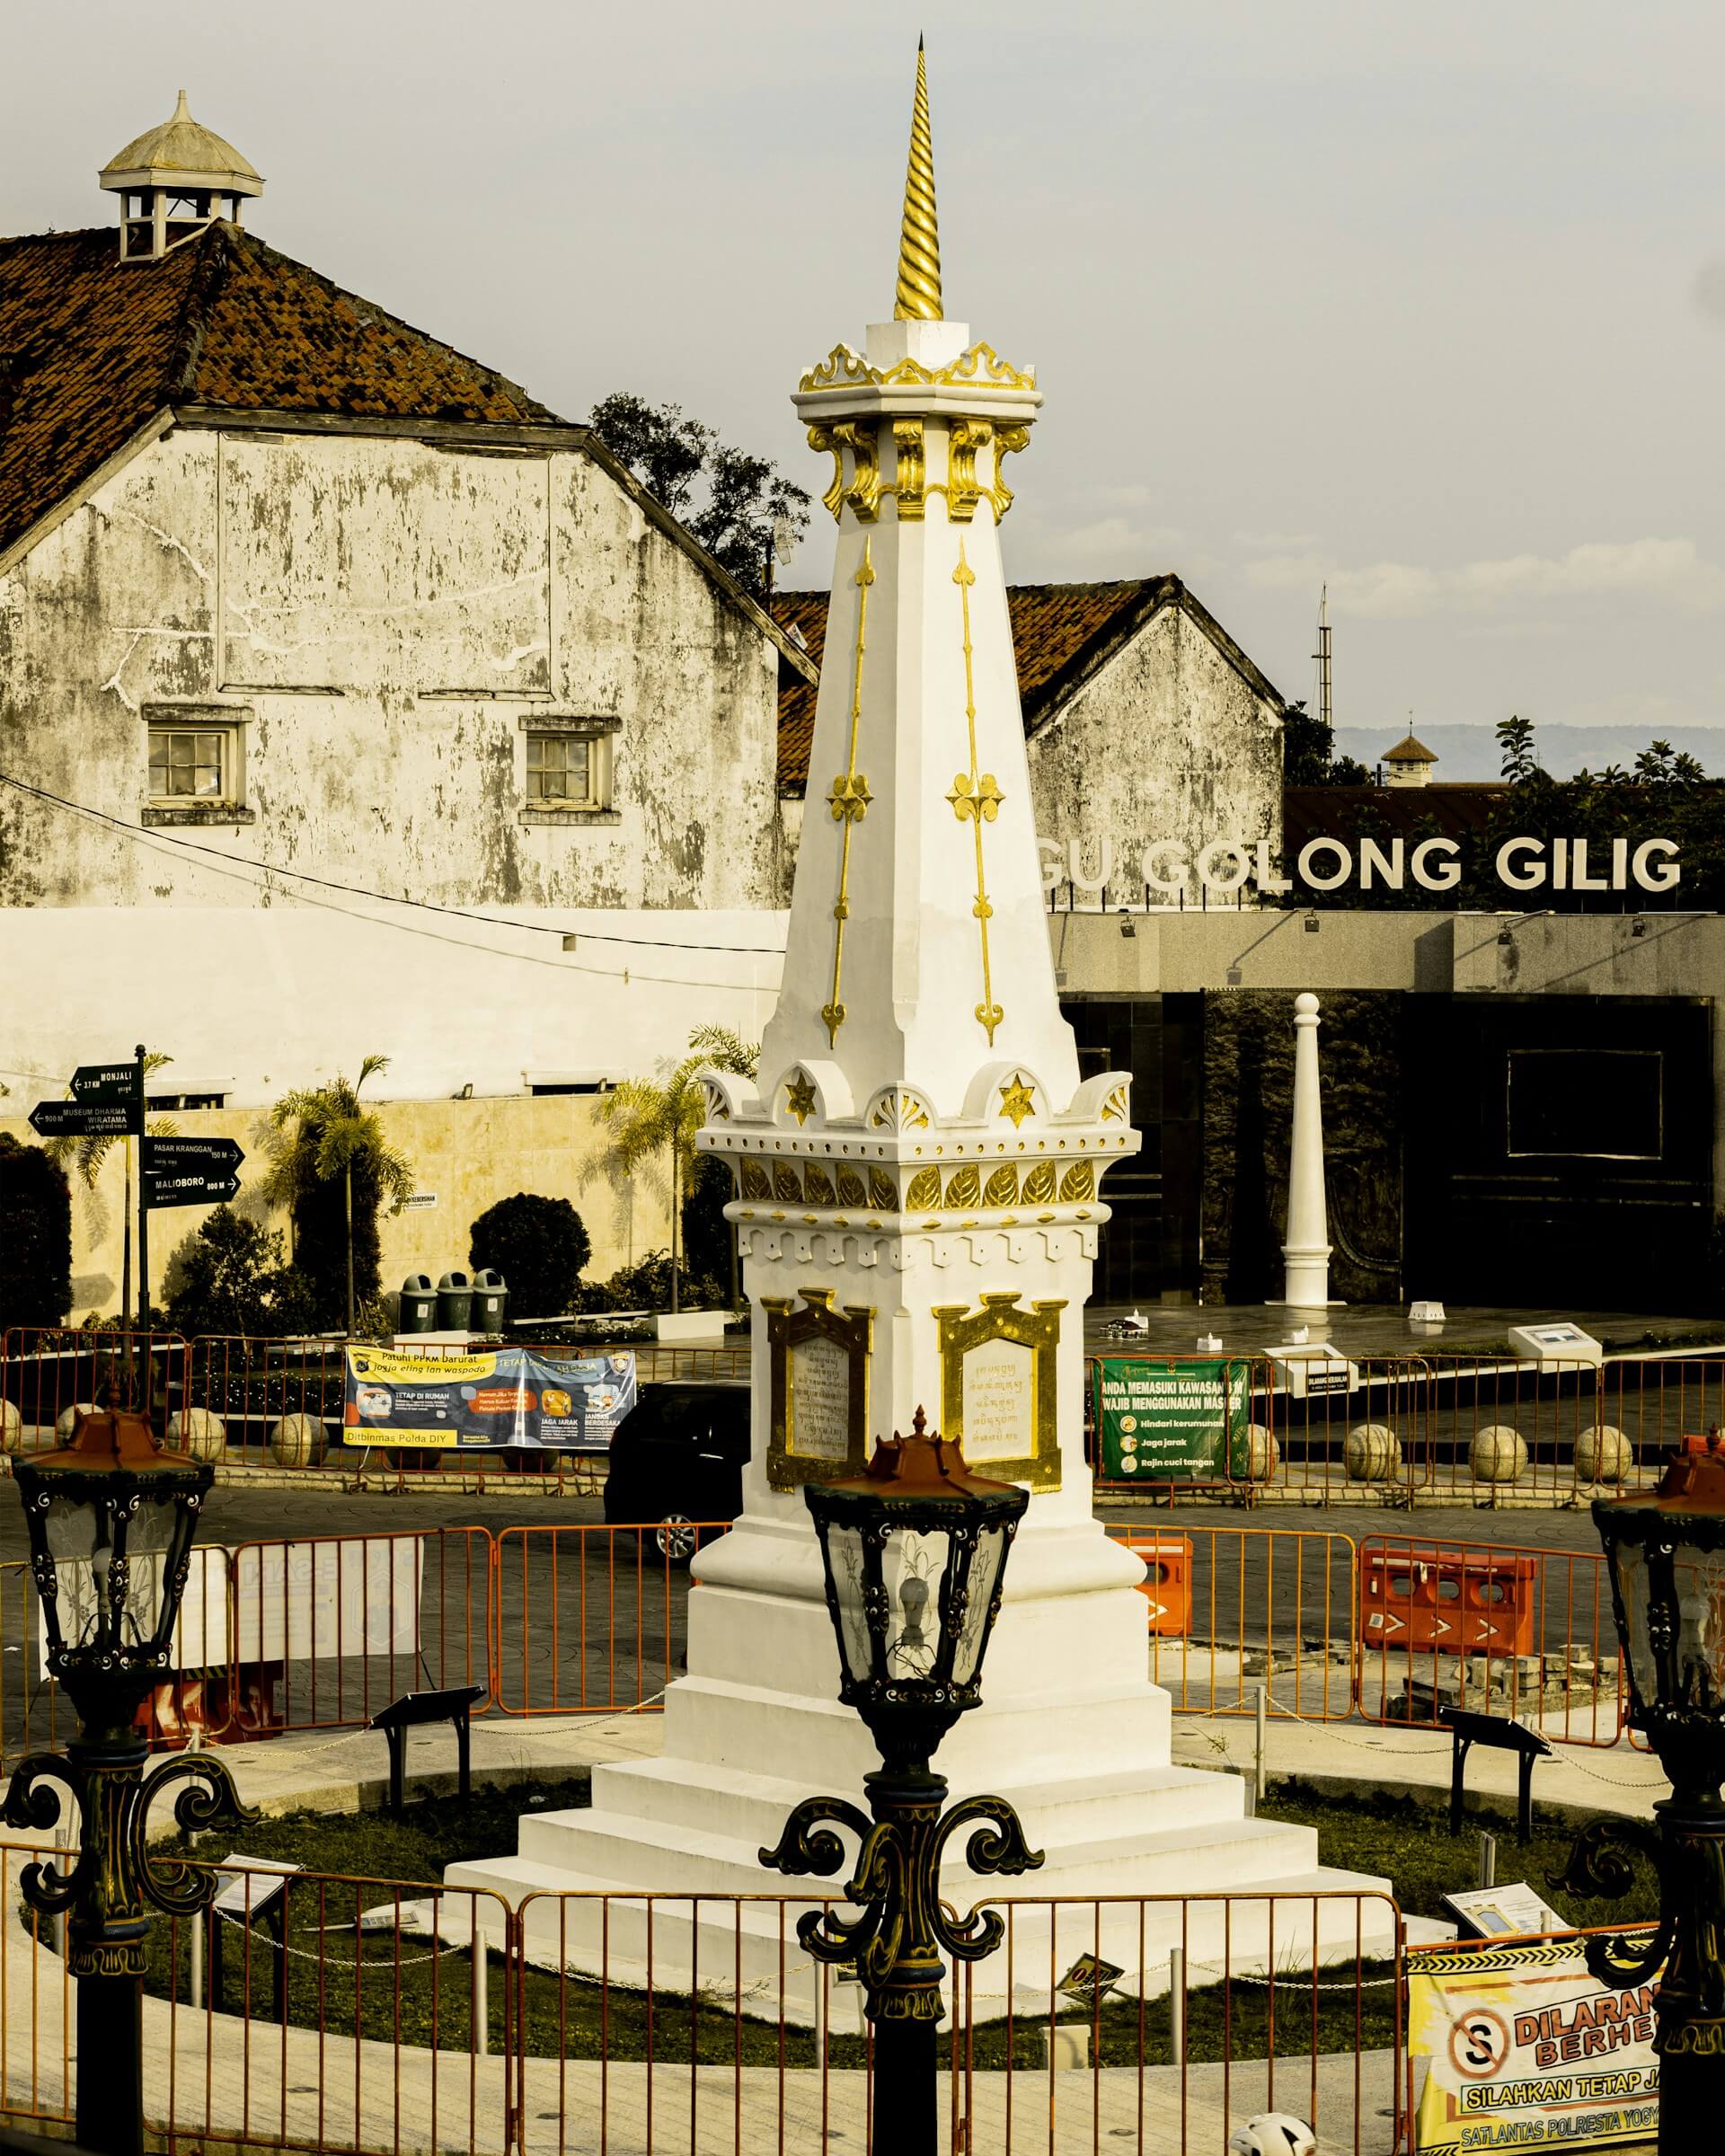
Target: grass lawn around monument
410,1991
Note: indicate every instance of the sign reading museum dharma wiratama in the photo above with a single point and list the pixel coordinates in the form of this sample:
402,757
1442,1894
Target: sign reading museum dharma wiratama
1170,1422
1526,2051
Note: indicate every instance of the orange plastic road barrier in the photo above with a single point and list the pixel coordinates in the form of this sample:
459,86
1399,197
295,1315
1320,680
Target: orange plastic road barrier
1455,1601
1167,1582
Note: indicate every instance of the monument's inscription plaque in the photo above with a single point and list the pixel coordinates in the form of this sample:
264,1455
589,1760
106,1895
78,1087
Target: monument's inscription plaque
819,1360
999,1403
999,1387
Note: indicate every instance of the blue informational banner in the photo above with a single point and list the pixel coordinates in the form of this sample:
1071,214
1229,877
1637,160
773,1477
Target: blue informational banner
505,1396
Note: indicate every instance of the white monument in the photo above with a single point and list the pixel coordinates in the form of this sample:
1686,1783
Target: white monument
917,1179
1306,1249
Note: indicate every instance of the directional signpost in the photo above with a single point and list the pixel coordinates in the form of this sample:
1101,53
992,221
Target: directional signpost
108,1103
190,1171
80,1120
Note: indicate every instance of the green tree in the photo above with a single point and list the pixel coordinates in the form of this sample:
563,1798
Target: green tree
1518,758
35,1236
649,1119
539,1245
332,1165
232,1278
1309,756
736,505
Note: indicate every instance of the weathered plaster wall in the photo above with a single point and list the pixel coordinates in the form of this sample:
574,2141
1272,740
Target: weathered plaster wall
1166,741
381,616
466,1154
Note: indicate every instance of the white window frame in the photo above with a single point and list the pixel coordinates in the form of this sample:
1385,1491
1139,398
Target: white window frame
595,735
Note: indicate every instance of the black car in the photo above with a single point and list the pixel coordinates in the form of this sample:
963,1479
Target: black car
677,1461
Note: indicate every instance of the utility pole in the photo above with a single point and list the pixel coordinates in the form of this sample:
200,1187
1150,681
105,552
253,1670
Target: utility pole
1321,655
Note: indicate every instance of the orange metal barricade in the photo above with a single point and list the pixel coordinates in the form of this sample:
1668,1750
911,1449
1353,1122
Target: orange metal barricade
1457,1601
1527,1632
1167,1584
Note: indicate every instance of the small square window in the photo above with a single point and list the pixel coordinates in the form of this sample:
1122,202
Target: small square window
565,771
191,763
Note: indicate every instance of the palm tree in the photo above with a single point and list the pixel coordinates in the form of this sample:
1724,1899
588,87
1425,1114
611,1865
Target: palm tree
319,1131
89,1155
649,1118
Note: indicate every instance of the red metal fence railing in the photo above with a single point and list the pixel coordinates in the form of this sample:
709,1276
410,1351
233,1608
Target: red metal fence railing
310,2011
319,1633
46,1371
1443,1427
591,1619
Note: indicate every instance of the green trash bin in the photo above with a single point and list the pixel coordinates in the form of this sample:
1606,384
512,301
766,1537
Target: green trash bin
455,1303
491,1303
419,1309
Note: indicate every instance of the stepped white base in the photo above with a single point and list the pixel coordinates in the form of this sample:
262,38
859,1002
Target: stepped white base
1071,1734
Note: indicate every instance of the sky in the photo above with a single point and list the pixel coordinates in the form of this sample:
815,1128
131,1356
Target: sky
1425,302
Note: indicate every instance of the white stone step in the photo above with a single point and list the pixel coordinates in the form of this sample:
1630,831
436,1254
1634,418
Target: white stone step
1183,1855
711,1722
755,1806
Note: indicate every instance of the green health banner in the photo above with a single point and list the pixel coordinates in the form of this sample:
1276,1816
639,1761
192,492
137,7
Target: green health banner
1171,1422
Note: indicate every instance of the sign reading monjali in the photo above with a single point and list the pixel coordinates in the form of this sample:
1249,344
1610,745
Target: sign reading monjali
508,1397
1526,2051
1171,1422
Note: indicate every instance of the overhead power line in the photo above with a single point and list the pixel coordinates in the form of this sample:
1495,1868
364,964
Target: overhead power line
138,833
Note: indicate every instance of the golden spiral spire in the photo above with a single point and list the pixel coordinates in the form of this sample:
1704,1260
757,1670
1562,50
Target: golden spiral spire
919,241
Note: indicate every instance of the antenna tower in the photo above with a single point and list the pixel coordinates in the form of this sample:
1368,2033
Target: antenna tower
1323,656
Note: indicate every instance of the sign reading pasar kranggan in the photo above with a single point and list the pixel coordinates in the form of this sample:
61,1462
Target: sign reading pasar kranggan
1389,864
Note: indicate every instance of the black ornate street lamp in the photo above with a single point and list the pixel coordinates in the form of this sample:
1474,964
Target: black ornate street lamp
914,1551
1666,1553
111,1517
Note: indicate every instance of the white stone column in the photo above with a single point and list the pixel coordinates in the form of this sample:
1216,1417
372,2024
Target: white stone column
1307,1249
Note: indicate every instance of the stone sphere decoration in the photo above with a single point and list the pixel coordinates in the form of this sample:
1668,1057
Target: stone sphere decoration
11,1428
1602,1453
1255,1455
198,1431
297,1440
1499,1454
1372,1452
68,1416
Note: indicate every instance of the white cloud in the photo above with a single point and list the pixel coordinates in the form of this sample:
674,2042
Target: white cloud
1670,570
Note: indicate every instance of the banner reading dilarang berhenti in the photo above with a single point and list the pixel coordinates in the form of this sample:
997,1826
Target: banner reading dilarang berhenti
1525,2050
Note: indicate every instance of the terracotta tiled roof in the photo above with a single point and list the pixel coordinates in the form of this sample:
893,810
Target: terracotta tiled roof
1061,633
1411,751
92,347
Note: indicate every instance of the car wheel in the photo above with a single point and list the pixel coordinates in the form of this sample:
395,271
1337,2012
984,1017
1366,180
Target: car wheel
675,1536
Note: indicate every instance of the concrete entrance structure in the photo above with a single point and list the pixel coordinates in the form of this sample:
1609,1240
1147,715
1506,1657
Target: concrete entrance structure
918,1181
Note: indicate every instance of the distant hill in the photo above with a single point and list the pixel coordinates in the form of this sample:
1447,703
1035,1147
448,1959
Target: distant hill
1471,751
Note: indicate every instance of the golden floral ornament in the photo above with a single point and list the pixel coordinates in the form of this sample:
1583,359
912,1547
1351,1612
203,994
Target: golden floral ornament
1114,1107
899,1107
717,1104
964,1186
756,1182
787,1183
816,1186
979,367
1017,1099
800,1096
849,799
1002,1186
925,1190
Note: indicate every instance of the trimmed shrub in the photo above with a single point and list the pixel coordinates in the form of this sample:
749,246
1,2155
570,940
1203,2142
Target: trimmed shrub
539,1245
230,1278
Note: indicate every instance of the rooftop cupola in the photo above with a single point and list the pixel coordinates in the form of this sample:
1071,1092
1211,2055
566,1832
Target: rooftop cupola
171,182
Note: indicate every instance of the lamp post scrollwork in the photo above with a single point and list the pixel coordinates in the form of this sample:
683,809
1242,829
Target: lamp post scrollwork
111,1518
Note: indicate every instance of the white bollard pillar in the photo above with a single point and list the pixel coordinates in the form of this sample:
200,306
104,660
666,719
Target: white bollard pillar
1307,1249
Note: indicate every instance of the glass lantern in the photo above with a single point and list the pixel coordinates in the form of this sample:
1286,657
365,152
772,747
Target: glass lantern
1666,1553
914,1551
111,1517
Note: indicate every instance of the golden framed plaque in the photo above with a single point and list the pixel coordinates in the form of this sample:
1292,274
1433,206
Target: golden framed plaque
999,1391
819,1360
